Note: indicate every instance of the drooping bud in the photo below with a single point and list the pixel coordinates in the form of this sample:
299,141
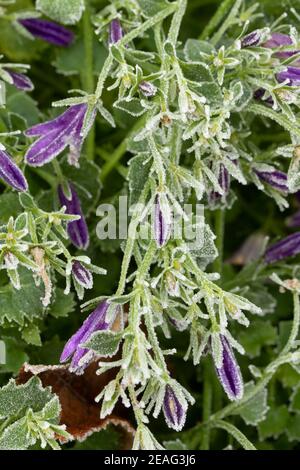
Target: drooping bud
115,32
148,89
162,220
11,173
288,246
82,275
229,372
174,409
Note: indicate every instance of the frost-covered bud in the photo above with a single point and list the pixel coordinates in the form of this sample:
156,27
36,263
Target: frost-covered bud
115,32
288,246
275,178
172,284
229,372
77,229
82,275
251,39
20,80
162,220
11,173
148,89
11,261
174,408
48,31
224,182
96,321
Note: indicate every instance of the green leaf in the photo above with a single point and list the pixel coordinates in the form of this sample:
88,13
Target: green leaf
107,439
138,174
196,71
293,428
259,333
282,120
16,436
15,355
194,48
177,444
254,410
31,334
151,7
63,11
10,207
295,400
16,398
275,422
63,304
69,60
104,343
132,107
23,105
17,306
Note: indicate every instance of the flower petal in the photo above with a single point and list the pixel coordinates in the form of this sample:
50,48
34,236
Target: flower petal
11,173
48,31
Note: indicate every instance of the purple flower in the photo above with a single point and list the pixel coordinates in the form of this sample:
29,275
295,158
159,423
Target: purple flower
229,373
11,173
77,229
48,31
288,246
20,81
278,40
148,89
251,39
162,220
224,182
115,32
96,321
292,74
174,409
82,275
56,135
276,179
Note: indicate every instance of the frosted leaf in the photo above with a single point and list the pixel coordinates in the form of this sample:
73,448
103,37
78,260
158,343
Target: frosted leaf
217,349
63,11
104,343
254,410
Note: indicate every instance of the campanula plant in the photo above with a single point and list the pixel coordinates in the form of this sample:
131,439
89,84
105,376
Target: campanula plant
149,224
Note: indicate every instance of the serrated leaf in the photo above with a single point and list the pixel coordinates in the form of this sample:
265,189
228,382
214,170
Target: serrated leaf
63,11
255,410
15,398
275,422
31,334
177,444
293,428
17,306
16,436
196,71
259,333
104,343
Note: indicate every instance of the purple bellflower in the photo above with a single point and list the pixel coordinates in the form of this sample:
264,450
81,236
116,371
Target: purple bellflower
77,229
275,178
82,275
292,74
96,321
48,31
224,182
115,32
278,40
11,173
162,220
56,135
229,373
20,80
288,246
174,409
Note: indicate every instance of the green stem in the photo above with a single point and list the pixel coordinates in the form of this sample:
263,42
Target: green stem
295,326
207,404
236,433
228,22
216,19
219,232
88,72
176,22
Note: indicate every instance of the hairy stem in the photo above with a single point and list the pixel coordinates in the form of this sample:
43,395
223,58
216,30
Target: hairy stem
88,73
207,404
219,232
